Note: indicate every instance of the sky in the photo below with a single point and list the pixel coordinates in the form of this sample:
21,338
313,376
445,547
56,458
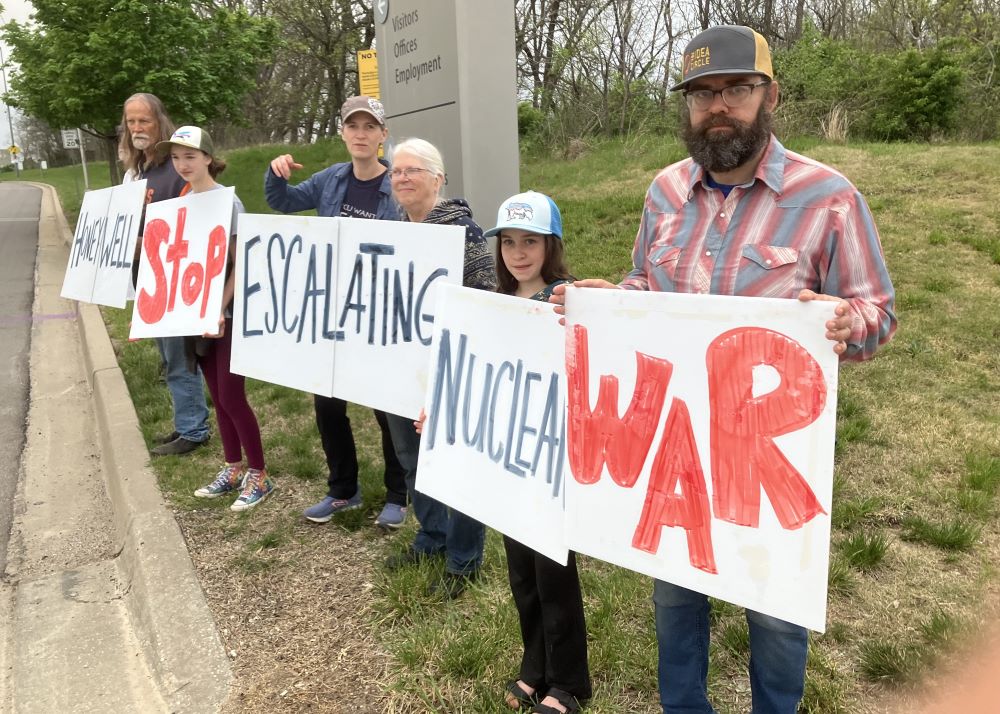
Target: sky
12,10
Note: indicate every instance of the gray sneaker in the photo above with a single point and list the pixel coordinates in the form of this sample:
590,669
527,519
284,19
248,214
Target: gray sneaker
324,510
392,517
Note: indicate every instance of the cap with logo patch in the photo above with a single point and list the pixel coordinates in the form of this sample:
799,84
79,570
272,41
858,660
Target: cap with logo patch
361,103
726,49
190,136
529,211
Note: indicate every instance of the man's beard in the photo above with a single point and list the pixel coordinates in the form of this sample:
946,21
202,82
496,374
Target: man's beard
725,151
141,142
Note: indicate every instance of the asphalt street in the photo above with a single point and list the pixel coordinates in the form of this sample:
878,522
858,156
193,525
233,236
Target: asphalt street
19,209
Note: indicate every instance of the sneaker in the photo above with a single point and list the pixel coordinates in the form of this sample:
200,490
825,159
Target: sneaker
228,479
392,517
257,486
324,510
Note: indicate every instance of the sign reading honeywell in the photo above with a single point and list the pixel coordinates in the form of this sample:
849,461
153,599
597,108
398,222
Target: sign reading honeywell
446,74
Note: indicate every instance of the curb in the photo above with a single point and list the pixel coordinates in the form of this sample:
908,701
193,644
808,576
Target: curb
166,605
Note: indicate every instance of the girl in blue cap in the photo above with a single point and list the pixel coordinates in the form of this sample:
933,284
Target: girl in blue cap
554,675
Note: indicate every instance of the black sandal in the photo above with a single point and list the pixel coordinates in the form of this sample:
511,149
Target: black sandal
571,703
518,699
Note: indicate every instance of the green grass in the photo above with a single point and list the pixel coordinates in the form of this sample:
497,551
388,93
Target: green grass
864,551
918,454
953,534
889,662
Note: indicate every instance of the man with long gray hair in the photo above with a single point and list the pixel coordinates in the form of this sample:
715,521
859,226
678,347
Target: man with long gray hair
146,123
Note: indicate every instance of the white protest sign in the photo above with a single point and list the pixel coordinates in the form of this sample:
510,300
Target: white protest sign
283,309
100,260
718,476
341,306
183,265
387,282
113,278
493,440
78,283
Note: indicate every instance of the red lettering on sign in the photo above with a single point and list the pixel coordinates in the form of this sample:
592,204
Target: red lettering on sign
599,435
175,253
215,261
152,307
676,463
744,455
195,278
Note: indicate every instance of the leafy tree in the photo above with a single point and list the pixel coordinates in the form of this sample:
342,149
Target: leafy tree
918,97
81,59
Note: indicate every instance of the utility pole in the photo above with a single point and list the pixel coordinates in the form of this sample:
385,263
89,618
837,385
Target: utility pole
10,123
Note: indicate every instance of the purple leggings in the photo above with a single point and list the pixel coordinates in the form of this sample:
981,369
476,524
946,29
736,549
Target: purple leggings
237,423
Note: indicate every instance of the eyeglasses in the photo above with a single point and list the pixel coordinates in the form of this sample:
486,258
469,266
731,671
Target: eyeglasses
409,172
733,96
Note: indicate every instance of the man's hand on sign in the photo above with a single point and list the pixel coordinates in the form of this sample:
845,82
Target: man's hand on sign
558,296
838,330
284,165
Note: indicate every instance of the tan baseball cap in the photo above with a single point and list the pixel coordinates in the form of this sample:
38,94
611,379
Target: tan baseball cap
361,103
192,137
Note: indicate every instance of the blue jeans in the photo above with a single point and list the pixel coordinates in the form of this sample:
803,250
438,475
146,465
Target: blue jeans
442,529
777,655
186,391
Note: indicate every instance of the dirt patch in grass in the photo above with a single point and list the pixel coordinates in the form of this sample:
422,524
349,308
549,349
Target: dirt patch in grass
295,617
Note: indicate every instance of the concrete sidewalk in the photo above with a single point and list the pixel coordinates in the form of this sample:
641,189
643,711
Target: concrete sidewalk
100,607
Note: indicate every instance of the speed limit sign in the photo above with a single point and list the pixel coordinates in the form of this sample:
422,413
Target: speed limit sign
69,139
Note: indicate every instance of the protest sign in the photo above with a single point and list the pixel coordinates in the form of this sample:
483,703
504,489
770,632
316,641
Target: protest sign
183,265
718,475
346,303
100,260
388,278
493,440
283,309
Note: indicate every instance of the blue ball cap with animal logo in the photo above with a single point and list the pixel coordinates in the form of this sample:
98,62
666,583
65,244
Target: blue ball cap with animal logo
529,211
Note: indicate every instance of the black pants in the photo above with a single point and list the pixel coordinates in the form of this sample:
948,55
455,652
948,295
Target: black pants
342,456
553,629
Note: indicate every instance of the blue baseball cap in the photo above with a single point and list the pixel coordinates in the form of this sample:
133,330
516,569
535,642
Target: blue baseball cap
529,211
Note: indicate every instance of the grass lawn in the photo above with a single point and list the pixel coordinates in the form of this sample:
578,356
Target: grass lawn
916,534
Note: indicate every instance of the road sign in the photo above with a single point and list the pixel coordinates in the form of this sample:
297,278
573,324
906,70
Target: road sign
14,150
69,139
368,73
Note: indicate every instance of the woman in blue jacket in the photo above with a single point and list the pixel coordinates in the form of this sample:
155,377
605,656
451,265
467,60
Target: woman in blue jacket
359,188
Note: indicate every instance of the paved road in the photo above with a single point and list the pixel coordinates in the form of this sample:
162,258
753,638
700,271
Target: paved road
19,207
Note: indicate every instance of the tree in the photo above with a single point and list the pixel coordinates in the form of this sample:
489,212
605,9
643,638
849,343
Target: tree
81,59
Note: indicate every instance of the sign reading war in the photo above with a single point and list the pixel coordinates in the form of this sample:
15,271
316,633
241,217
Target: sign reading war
493,444
182,268
700,436
100,258
341,307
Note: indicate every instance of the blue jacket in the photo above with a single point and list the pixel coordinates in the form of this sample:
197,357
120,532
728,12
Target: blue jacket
324,191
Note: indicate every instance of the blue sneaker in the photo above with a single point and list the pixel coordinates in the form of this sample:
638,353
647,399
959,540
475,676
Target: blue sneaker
256,487
392,517
324,510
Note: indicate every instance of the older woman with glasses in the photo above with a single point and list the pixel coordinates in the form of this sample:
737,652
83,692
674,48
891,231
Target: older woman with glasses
417,179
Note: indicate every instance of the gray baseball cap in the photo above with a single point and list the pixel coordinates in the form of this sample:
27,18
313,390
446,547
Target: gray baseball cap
726,49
